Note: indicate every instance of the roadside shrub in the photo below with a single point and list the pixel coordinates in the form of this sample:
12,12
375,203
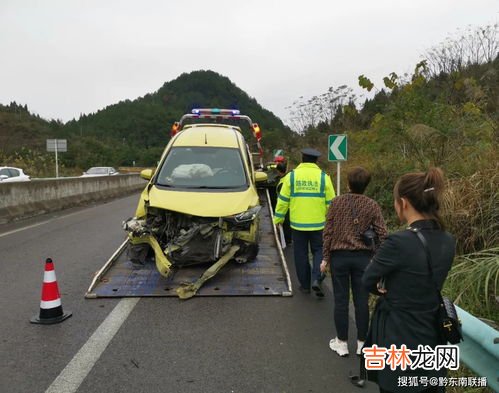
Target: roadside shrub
472,283
472,210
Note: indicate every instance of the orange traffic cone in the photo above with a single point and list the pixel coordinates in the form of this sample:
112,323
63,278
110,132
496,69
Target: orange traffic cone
50,305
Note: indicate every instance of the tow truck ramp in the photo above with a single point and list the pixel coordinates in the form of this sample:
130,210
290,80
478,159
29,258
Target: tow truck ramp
267,275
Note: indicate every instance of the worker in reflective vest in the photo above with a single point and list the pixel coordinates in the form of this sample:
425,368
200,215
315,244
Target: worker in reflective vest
307,192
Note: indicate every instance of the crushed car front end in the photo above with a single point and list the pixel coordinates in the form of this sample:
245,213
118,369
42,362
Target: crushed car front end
200,205
179,239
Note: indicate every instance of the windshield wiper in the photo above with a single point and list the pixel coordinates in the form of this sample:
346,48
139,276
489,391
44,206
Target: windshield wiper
220,187
211,187
165,185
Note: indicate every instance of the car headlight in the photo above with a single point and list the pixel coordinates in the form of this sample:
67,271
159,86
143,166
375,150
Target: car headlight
248,215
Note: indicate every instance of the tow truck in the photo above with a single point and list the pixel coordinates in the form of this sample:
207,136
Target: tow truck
205,208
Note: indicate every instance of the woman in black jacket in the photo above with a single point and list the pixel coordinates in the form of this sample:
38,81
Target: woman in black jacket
406,312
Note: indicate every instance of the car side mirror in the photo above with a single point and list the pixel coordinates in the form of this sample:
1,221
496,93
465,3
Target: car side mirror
3,177
260,177
146,174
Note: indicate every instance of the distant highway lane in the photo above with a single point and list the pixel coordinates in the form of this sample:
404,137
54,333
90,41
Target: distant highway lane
217,344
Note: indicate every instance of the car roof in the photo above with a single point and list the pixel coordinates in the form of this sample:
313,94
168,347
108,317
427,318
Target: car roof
10,167
209,135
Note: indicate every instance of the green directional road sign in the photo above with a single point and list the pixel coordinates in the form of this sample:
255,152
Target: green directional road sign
337,147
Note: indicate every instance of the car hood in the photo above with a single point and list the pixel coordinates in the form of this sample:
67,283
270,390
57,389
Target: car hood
203,204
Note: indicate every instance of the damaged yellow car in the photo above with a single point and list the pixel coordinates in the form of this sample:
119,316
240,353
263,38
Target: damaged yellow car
201,204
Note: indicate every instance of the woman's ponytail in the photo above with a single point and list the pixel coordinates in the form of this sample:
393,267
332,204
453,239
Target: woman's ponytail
424,192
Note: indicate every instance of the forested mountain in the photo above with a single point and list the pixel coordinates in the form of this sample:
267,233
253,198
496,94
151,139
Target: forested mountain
130,132
137,131
20,129
22,140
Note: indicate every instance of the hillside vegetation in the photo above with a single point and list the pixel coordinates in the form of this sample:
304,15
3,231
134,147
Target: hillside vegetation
444,114
22,140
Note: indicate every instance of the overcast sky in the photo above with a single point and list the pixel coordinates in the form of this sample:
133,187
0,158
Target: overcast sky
66,57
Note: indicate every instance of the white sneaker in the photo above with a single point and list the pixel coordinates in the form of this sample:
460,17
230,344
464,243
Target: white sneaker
360,344
338,346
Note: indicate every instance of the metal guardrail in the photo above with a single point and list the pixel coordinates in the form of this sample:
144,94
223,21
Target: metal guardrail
480,348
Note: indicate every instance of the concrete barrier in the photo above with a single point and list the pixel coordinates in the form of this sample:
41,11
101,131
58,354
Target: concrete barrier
134,169
25,199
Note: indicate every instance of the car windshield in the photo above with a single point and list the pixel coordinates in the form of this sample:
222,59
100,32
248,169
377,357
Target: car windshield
97,171
202,167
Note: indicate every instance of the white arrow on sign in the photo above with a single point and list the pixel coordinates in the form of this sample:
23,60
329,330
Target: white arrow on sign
335,147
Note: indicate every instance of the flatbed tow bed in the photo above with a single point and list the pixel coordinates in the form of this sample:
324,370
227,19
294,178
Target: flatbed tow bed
267,275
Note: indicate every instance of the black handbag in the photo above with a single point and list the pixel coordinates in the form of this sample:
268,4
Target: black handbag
369,236
448,321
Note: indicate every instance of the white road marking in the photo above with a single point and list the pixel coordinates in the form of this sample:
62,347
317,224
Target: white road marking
78,368
39,223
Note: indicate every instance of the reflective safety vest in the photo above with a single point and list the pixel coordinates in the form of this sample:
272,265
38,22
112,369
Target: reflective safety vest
307,192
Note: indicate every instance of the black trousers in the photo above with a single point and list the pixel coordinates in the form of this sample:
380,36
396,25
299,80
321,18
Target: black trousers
302,240
286,228
347,268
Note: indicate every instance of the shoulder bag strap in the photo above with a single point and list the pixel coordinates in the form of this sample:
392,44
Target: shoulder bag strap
428,258
354,212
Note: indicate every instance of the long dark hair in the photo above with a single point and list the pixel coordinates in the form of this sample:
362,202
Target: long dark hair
424,192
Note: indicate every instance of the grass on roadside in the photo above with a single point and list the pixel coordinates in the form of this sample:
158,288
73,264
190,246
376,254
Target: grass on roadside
472,283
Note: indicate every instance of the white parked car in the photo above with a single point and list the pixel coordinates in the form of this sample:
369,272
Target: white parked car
11,174
100,171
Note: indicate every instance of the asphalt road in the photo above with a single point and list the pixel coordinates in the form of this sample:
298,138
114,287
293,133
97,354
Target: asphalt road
218,344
